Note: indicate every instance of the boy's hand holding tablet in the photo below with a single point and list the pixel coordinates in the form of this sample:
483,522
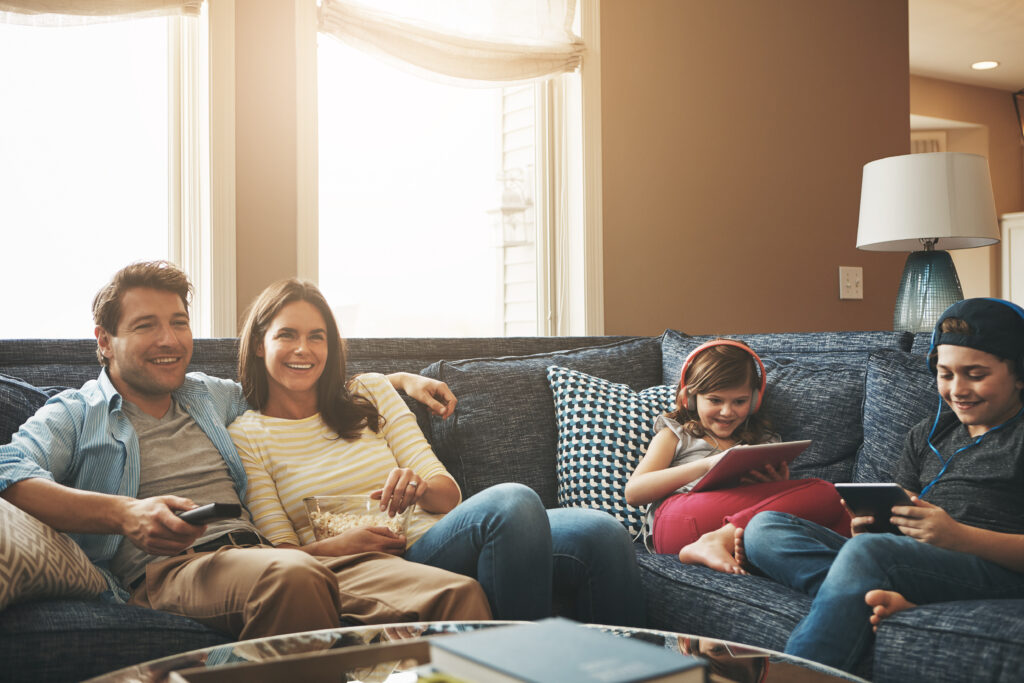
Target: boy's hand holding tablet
875,501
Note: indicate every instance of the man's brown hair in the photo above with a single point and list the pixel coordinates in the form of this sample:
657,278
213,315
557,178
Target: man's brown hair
162,275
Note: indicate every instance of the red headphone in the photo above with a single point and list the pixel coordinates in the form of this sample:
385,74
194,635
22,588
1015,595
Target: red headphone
755,397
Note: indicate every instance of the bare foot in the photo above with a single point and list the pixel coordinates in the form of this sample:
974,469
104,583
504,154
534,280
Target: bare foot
715,550
885,604
738,551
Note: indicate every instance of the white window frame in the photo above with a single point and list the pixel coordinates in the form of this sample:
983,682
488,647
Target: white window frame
581,271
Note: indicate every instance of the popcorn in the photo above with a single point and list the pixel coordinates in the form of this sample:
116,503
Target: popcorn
327,524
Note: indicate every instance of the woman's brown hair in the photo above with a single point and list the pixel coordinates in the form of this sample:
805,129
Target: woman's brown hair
717,368
344,412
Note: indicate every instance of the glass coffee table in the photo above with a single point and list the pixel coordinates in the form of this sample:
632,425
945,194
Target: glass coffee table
399,653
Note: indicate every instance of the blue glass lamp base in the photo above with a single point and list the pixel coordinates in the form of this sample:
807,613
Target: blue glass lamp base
929,286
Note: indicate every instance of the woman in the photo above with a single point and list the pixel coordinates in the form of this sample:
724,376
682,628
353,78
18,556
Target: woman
313,432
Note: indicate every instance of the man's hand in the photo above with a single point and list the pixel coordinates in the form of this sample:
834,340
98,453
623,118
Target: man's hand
927,523
432,393
362,540
151,525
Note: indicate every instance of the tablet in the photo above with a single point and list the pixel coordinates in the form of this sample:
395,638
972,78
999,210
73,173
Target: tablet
739,460
876,500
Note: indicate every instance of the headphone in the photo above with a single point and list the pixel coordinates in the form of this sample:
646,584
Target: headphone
755,397
933,366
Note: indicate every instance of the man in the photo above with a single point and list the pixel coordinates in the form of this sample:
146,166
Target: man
116,460
962,537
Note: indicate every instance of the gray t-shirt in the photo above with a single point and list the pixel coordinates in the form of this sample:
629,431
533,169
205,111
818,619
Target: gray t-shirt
178,459
984,483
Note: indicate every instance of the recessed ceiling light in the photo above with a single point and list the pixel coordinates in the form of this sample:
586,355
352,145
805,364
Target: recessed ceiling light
982,66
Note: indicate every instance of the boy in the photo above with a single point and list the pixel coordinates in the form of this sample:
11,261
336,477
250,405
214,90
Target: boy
963,536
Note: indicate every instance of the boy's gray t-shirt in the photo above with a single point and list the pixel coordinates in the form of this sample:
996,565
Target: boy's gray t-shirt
983,486
176,458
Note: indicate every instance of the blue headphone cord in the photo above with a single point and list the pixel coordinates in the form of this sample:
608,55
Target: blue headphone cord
944,461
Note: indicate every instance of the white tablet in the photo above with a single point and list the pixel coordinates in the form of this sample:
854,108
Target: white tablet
739,460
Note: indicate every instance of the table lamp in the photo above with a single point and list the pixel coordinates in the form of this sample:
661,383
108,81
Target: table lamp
925,204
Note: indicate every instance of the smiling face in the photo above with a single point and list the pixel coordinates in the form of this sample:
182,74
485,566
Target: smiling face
295,351
981,388
151,348
722,411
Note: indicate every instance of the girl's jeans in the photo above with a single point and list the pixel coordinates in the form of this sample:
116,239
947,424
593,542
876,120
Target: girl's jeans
523,555
837,572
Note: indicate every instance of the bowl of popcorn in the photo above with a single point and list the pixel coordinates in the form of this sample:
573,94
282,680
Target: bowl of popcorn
333,515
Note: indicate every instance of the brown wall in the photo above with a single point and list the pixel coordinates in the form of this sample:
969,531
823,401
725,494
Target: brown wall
994,110
734,135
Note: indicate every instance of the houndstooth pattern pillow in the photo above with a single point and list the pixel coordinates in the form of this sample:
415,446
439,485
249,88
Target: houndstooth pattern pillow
38,562
603,431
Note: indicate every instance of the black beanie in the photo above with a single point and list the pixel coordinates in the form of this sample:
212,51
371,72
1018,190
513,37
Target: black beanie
997,327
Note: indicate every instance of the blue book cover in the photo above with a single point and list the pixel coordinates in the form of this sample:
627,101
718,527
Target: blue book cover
556,651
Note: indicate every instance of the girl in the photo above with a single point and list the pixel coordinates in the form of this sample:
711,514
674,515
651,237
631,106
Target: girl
721,388
311,432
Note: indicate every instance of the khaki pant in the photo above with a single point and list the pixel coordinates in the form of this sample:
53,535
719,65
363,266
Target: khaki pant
252,592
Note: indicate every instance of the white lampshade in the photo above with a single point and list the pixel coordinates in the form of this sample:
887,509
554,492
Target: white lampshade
945,196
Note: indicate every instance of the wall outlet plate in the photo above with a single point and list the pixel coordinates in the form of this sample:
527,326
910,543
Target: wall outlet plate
851,282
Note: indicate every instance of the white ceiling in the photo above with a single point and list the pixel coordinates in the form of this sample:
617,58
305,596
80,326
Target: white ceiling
947,36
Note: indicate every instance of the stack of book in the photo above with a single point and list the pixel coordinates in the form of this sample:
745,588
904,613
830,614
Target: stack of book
557,651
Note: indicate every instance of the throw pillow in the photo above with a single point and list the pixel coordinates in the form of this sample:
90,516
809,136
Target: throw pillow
38,562
604,429
899,392
503,429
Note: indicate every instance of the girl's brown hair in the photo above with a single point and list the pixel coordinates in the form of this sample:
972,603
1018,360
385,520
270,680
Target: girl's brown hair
717,368
344,412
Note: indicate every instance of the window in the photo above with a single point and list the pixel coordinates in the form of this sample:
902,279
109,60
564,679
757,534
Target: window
92,161
473,194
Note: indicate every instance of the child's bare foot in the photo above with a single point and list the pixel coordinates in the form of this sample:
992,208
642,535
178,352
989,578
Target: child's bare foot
885,604
715,550
738,552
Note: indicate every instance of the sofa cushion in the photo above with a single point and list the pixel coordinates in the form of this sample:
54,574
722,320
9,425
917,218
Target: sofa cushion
19,401
71,640
603,431
969,640
841,347
38,562
504,430
899,392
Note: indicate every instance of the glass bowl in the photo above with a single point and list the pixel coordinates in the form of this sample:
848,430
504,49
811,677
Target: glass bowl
332,515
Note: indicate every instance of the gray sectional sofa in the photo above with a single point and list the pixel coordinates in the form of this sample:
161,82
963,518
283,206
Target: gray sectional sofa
568,417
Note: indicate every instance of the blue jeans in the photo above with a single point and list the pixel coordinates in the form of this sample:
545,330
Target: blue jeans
523,555
837,572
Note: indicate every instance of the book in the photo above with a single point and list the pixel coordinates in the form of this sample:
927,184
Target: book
739,460
559,650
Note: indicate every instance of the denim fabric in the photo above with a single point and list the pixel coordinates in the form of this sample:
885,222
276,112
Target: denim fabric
838,572
522,555
504,430
19,401
817,346
71,640
899,392
604,429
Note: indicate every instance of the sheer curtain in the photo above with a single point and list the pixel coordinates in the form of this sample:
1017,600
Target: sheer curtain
71,12
485,42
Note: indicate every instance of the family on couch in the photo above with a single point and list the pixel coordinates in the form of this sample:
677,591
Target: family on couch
119,423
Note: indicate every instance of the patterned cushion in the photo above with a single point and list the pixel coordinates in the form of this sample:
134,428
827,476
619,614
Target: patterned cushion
603,431
899,392
38,562
503,429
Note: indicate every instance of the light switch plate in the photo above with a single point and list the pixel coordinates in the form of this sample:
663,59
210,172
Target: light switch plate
851,282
